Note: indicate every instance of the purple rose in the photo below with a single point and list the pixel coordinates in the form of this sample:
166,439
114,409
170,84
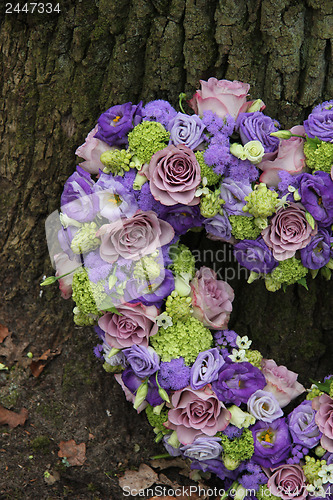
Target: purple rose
219,227
182,217
116,122
258,127
135,237
302,425
174,175
205,368
196,412
324,419
237,381
144,361
288,231
320,122
272,442
233,193
77,199
187,130
255,256
288,482
203,448
316,191
264,406
318,252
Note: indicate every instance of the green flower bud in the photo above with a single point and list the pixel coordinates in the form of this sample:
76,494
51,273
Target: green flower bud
282,134
237,150
49,281
141,394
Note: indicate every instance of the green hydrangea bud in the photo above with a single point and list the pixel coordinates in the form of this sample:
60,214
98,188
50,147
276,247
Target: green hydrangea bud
116,161
88,296
211,204
319,156
289,271
85,238
146,269
206,171
82,319
320,451
261,202
157,421
314,392
243,227
146,139
178,308
311,468
254,357
183,260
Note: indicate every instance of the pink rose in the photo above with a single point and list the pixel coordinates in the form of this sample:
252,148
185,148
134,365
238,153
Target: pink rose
135,237
288,157
64,265
324,419
288,231
223,97
134,326
281,382
211,299
288,481
91,152
196,412
174,176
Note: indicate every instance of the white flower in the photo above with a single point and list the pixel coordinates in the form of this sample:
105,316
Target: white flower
243,342
240,418
164,320
316,489
254,151
238,356
237,150
326,473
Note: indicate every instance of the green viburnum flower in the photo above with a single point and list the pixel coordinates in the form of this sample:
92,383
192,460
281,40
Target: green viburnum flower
314,392
237,450
85,239
87,295
178,308
206,170
261,202
254,357
146,139
83,319
117,161
186,339
319,156
264,493
288,272
211,204
183,262
157,420
311,468
244,228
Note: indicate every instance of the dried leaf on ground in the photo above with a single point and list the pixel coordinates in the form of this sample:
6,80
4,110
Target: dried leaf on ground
50,479
75,453
12,418
166,463
13,352
4,332
38,365
140,479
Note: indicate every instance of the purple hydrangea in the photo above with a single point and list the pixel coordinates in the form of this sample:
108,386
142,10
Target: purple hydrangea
258,127
272,442
159,111
233,193
320,122
318,252
117,121
205,368
255,255
144,361
316,191
219,227
186,129
237,381
302,425
203,448
77,199
174,374
242,170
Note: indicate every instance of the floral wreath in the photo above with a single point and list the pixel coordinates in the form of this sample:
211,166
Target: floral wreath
162,324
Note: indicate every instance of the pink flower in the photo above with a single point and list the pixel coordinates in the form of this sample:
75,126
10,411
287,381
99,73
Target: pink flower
288,482
91,152
324,419
281,382
223,97
288,231
174,176
63,266
134,237
196,412
135,324
211,299
289,157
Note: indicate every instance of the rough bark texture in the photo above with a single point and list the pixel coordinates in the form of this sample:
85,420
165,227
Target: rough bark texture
59,71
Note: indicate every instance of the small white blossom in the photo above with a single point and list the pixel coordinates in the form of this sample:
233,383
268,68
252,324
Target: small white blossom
238,356
164,320
316,488
243,342
326,473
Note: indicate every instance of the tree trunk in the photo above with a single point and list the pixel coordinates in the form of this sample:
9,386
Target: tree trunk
60,71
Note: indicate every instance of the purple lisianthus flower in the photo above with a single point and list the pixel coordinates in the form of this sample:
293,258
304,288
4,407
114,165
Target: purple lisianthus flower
186,129
272,442
255,255
258,127
316,191
65,237
114,200
174,452
143,360
182,217
174,374
302,425
320,122
318,252
205,368
159,111
216,466
264,406
117,121
237,381
150,293
78,200
219,227
132,382
233,193
203,448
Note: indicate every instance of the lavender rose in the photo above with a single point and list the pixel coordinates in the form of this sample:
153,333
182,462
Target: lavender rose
135,237
316,191
255,256
211,299
203,448
187,130
264,406
174,175
91,152
144,361
319,122
324,419
196,412
281,382
77,199
221,96
272,442
116,122
205,368
318,252
302,425
288,231
258,127
218,227
233,193
135,325
288,482
236,382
